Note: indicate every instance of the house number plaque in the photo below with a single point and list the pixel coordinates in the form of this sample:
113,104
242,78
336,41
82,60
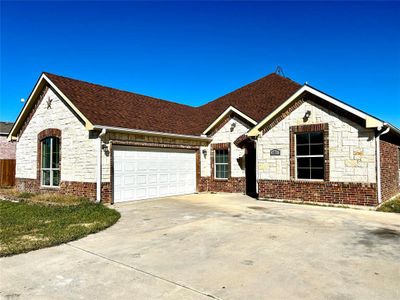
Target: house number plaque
275,152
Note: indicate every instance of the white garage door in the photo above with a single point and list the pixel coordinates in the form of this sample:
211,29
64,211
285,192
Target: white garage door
141,173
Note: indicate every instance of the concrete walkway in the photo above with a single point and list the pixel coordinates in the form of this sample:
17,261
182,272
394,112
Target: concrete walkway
223,246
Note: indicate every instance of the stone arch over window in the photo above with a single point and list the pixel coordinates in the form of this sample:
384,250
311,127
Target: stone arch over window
49,158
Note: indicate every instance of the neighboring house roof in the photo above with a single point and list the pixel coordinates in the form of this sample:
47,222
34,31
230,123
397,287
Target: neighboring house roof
5,127
105,106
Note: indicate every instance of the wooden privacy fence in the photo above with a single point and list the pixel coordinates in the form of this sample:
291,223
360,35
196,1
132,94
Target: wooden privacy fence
7,172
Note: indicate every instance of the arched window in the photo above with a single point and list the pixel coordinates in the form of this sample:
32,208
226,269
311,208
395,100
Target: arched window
50,164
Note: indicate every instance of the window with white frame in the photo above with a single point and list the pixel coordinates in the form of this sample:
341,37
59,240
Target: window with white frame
221,168
310,155
50,164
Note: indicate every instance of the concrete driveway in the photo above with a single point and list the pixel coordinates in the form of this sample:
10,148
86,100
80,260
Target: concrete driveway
221,246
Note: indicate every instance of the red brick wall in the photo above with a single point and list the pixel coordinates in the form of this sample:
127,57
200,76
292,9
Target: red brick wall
389,170
7,149
82,189
328,192
232,185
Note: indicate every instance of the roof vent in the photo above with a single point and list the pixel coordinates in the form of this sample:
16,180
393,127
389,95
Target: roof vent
279,71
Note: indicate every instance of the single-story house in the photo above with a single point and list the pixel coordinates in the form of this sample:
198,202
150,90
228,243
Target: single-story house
272,138
7,150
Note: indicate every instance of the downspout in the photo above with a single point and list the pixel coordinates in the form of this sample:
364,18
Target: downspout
378,161
99,165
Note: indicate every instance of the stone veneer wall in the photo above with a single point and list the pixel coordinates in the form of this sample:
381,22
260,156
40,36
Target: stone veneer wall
351,147
351,159
222,134
75,139
390,181
78,150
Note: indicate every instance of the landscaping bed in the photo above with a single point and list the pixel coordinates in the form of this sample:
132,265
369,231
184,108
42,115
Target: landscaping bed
29,221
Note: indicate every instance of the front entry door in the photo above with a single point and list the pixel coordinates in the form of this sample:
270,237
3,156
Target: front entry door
251,170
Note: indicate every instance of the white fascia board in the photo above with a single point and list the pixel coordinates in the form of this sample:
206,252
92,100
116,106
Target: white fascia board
225,113
43,77
370,122
153,133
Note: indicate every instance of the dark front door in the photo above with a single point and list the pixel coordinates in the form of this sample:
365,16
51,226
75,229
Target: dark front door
250,161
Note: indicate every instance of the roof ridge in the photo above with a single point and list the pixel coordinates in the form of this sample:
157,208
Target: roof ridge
119,90
248,84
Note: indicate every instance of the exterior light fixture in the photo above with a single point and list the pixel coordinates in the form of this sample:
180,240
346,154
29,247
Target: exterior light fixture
204,152
307,115
233,126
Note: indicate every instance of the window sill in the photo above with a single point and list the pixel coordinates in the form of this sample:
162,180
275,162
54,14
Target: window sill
221,179
310,180
47,187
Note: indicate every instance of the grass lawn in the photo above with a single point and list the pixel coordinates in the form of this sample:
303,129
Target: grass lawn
391,205
46,220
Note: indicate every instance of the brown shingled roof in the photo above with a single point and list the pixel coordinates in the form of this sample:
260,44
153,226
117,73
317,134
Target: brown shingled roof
111,107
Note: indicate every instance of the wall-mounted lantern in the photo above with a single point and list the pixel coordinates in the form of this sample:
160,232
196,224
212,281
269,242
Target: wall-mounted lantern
307,115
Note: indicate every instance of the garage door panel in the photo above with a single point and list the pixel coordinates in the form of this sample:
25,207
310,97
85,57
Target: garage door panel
152,191
141,180
152,178
129,180
141,173
163,190
140,194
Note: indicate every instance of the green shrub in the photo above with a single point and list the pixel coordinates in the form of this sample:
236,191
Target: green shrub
390,206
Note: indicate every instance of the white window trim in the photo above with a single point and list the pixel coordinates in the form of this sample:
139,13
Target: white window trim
308,156
215,164
51,169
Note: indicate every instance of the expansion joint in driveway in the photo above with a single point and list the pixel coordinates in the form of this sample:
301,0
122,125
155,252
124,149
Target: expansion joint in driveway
144,272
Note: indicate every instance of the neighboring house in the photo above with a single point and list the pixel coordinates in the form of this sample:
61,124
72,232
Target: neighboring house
7,149
273,138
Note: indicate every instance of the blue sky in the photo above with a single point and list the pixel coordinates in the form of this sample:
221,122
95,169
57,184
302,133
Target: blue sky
193,52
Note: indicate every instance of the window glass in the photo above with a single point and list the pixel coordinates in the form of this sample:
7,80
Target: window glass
46,144
221,164
50,163
56,177
46,177
310,155
56,153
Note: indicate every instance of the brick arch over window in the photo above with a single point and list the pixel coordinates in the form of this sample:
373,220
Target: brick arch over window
50,132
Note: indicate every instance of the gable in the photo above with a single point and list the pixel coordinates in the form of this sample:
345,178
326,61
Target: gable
228,114
33,101
306,91
351,145
77,148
